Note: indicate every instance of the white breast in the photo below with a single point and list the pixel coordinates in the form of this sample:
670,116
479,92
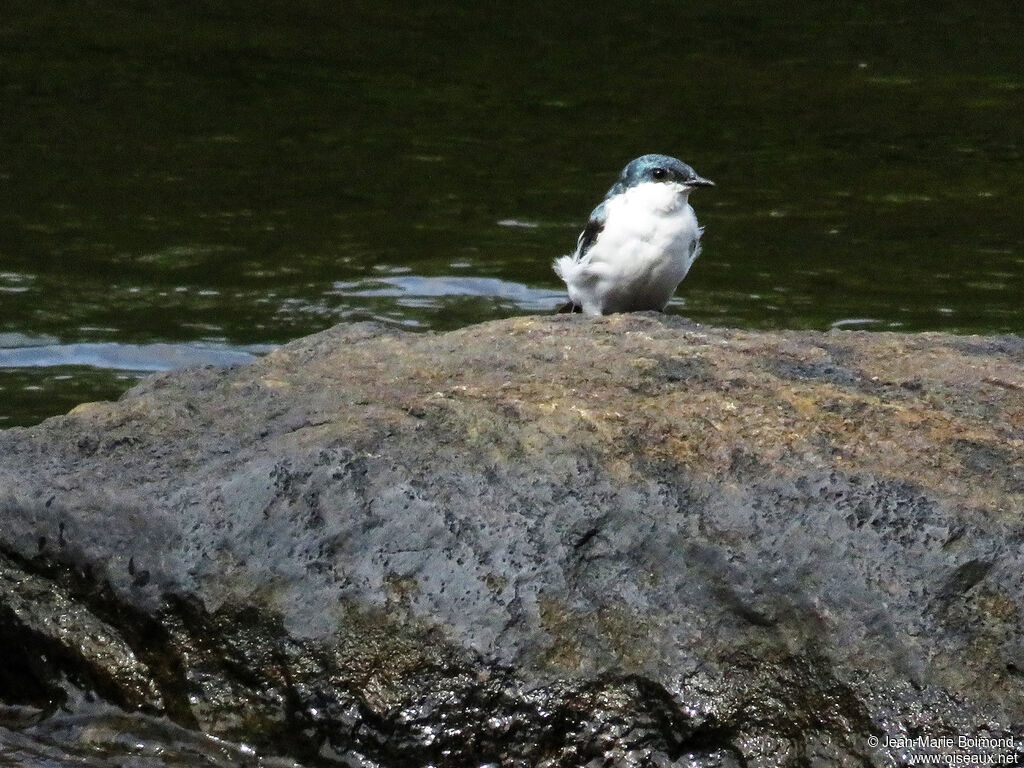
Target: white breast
650,240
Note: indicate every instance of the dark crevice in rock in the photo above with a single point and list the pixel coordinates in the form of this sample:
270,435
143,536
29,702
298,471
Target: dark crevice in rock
81,653
965,577
31,666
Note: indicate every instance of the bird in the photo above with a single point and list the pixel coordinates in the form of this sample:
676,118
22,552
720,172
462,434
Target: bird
639,243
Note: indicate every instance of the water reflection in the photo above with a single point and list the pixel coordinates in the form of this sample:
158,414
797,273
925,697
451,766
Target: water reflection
127,357
106,738
418,291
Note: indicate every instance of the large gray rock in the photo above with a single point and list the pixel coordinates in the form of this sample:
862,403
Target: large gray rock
542,541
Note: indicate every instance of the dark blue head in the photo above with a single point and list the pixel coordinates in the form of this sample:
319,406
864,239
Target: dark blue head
660,169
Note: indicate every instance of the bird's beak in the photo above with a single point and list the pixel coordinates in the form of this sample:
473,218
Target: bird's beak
697,181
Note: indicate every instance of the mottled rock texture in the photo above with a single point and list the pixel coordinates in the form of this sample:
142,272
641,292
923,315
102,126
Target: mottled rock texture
558,541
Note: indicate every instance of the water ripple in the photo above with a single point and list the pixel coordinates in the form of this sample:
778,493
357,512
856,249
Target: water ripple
129,357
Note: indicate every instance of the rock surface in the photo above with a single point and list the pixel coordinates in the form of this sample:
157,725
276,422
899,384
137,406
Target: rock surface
552,541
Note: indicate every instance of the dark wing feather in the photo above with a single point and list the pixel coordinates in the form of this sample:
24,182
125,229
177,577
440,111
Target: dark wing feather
589,235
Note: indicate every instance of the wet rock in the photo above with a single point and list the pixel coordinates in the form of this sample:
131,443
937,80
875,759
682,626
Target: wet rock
542,541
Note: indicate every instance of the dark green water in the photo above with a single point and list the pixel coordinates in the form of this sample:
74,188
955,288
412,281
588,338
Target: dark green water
236,174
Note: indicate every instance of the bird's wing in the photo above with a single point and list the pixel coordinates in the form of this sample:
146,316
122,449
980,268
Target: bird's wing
589,235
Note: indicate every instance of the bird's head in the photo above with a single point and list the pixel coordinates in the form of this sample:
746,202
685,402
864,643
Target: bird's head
658,169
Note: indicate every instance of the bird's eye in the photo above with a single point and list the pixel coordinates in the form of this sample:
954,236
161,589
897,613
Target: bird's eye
659,174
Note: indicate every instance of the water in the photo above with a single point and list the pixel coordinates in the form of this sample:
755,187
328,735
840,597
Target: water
200,182
102,737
